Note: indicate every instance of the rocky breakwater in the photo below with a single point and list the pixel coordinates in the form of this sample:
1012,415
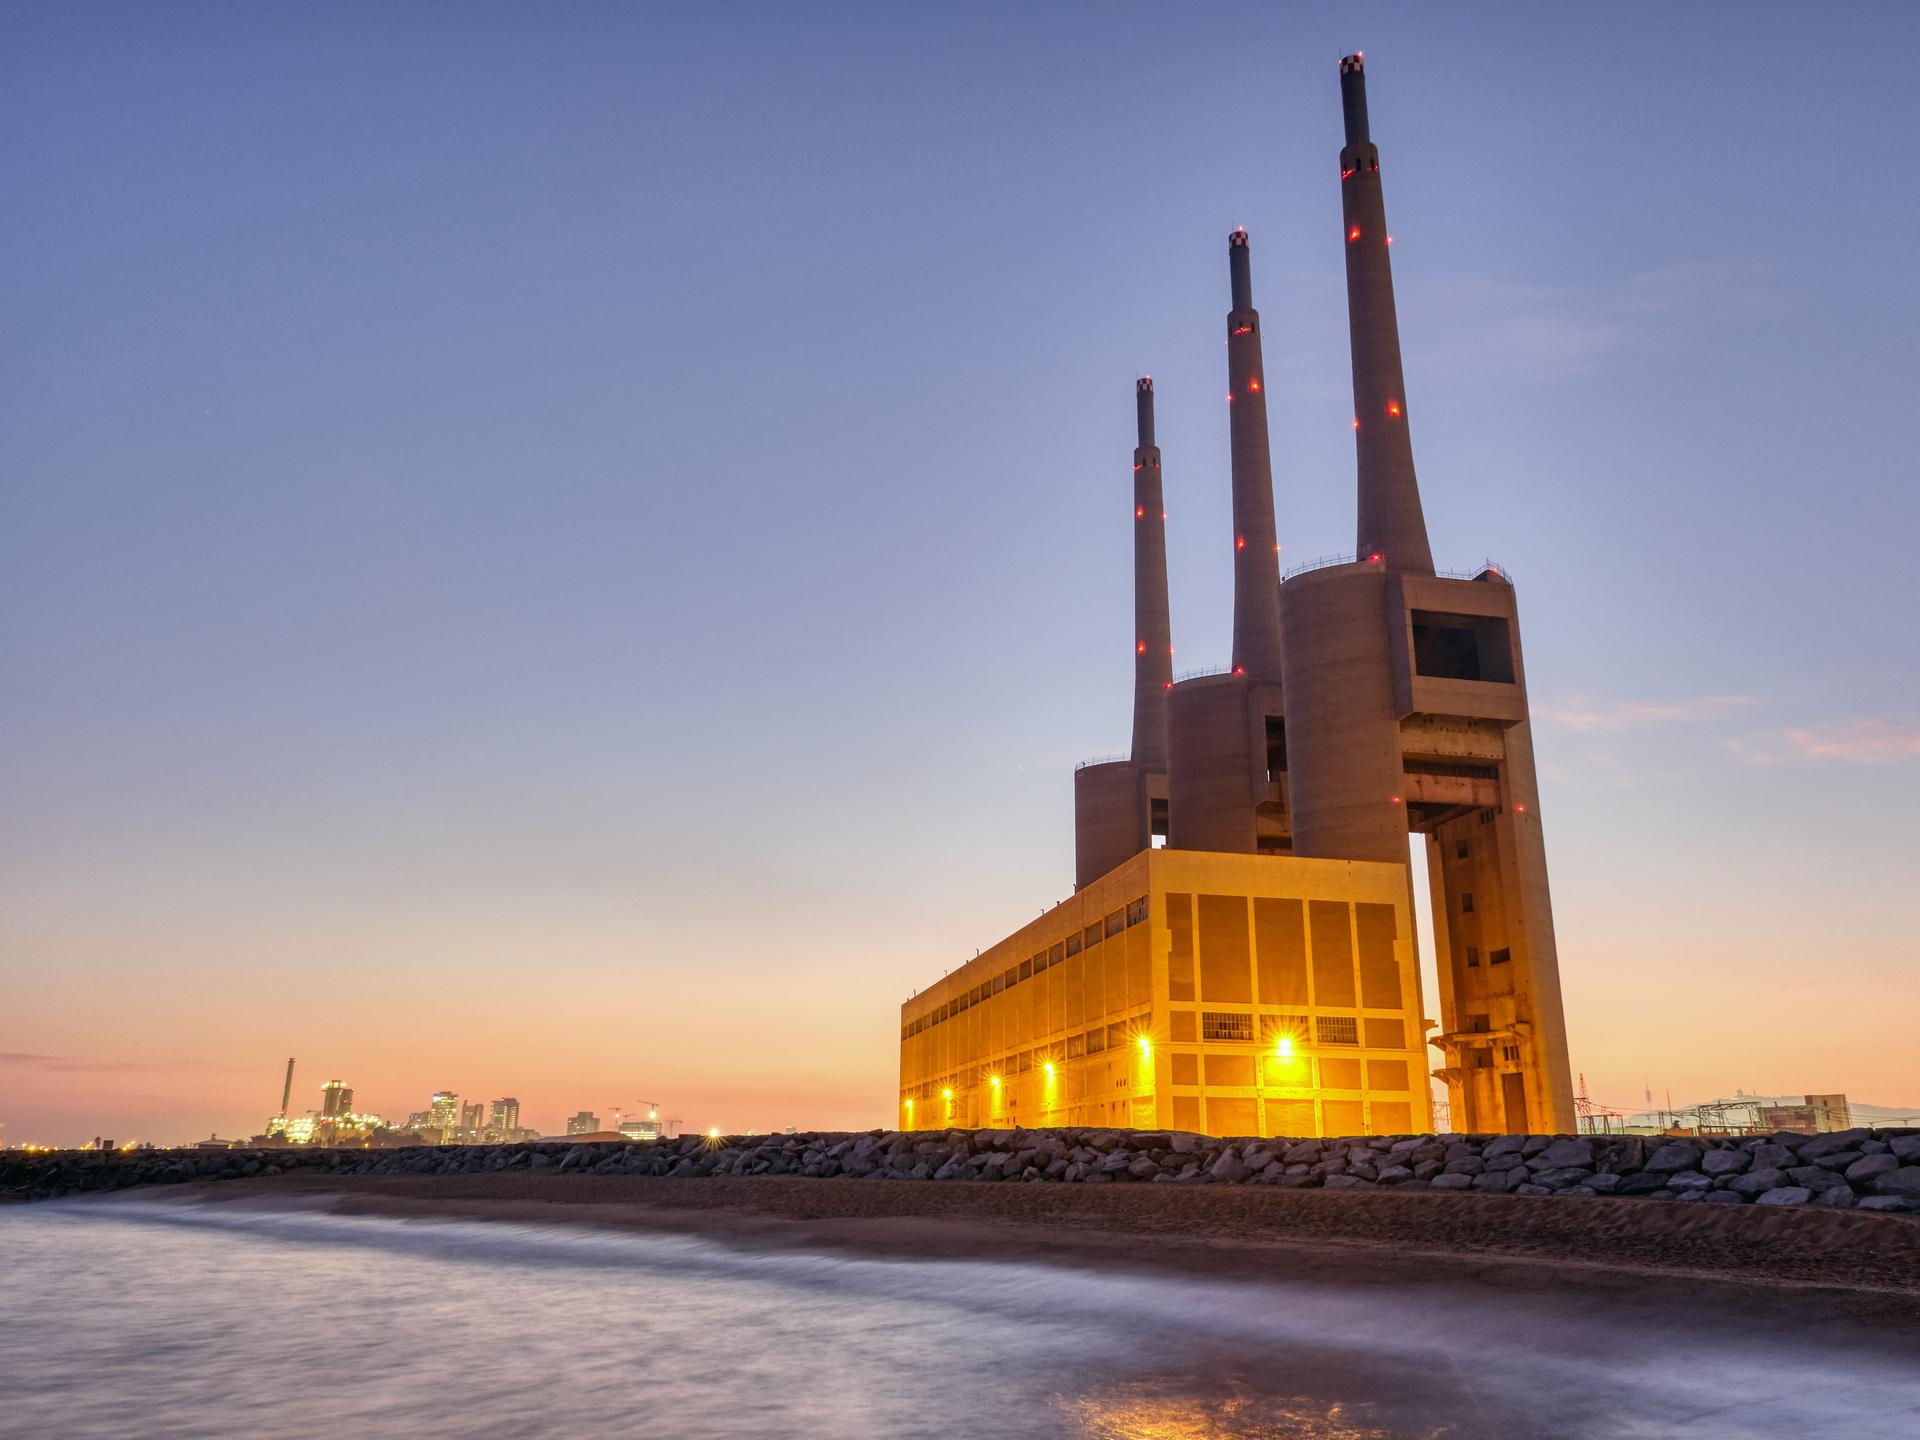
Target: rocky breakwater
1851,1169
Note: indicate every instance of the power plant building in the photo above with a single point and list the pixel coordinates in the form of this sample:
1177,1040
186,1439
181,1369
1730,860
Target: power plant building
1239,954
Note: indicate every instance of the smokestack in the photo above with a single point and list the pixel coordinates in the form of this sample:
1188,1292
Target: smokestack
286,1090
1256,566
1392,526
1152,629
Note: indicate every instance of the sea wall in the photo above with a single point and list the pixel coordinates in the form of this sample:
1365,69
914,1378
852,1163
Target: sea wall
1850,1169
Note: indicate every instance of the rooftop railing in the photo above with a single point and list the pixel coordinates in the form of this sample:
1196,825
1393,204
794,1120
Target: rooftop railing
1102,760
1326,562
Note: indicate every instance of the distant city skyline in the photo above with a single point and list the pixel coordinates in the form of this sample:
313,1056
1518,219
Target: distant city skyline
575,558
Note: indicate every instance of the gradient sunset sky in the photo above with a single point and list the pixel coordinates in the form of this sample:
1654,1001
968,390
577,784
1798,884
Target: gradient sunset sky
571,551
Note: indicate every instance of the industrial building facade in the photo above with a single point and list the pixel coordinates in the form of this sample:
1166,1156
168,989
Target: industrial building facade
1222,993
1369,700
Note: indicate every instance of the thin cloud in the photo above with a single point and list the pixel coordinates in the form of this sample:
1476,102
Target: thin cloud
1611,715
68,1065
1553,332
1859,742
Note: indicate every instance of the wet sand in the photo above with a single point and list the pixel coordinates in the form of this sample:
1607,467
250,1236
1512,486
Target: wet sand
1810,1265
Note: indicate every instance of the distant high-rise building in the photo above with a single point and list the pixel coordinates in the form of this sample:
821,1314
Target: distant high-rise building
506,1115
585,1123
473,1117
336,1100
443,1114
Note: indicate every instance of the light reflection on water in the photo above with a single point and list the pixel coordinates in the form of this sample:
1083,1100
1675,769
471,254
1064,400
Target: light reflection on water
171,1321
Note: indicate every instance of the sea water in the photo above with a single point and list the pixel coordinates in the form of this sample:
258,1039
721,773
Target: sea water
158,1319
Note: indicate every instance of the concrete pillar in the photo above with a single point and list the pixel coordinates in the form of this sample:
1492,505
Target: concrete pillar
1209,804
1109,822
1343,736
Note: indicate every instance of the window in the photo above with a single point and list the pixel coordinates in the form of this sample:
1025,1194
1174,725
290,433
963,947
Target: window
1478,1025
1057,954
1473,957
1502,956
1076,1046
1462,647
1276,747
1137,911
1274,1027
1026,966
1226,1025
1338,1030
1116,922
1092,934
1073,943
1460,849
999,983
1012,977
1116,1036
1510,1054
1483,1060
1466,902
1096,1040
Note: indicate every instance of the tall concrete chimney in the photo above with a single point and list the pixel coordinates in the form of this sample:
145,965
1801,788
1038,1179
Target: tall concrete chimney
1152,629
286,1090
1392,526
1256,565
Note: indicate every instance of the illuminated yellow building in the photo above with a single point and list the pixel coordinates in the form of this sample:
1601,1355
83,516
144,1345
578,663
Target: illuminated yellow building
1229,994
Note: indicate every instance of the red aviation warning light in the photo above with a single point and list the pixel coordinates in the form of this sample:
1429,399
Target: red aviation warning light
1139,511
1375,558
1354,233
1239,542
1141,648
1393,407
1239,669
1253,384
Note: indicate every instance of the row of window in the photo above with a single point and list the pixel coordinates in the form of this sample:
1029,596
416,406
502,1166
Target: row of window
1074,944
1502,956
1237,1029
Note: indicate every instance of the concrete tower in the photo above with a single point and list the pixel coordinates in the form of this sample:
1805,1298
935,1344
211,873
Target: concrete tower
1256,546
1406,709
1225,788
1392,526
1153,628
1120,805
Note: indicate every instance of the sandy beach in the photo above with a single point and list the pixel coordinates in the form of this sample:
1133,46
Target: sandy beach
1815,1265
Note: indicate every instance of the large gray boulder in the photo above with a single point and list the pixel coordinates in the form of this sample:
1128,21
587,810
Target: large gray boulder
1673,1156
1562,1154
1868,1166
1833,1143
1904,1182
1757,1182
1724,1162
1786,1195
